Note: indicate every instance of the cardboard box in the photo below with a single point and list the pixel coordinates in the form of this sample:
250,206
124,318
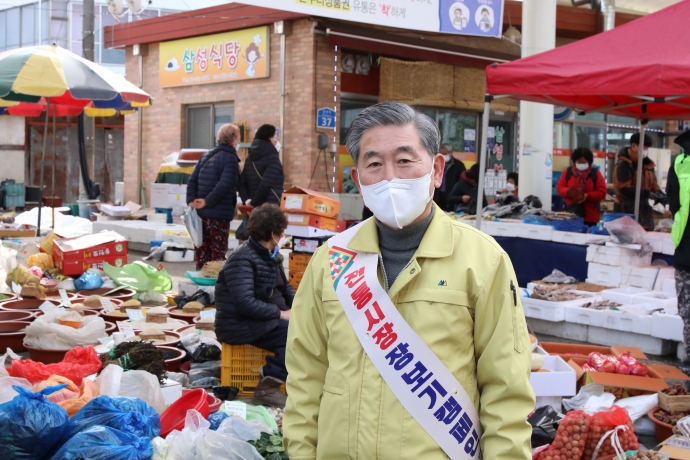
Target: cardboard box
169,189
79,266
299,262
303,200
676,447
559,381
17,233
571,350
622,386
295,278
168,201
310,220
114,248
308,232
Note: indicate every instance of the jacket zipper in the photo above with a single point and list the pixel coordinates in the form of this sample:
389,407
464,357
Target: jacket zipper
385,276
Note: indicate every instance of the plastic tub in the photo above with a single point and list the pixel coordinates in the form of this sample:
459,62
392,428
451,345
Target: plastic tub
123,294
12,335
54,295
190,318
99,308
5,297
213,402
662,430
171,343
174,416
184,367
46,356
26,304
115,317
16,316
173,364
110,327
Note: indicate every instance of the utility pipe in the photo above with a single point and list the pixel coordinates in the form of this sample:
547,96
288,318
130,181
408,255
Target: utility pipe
140,143
282,96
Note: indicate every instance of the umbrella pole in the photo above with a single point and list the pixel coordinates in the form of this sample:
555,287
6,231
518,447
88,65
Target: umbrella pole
43,159
640,159
482,159
52,187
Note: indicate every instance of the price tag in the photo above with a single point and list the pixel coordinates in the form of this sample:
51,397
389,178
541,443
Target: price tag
65,299
107,305
126,329
236,408
205,313
134,315
47,306
16,288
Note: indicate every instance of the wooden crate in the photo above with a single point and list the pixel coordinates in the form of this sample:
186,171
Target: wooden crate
673,403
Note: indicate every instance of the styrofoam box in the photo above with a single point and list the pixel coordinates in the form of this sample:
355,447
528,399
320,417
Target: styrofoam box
509,229
669,286
597,239
586,316
166,189
645,276
669,327
646,343
626,322
560,381
562,329
569,237
307,232
179,256
662,299
549,311
656,240
669,248
623,295
535,232
616,256
171,390
604,275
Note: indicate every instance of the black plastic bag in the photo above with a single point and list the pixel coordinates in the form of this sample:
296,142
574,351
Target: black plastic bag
544,421
205,352
241,232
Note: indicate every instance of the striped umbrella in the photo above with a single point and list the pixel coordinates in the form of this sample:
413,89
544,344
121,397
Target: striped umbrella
37,77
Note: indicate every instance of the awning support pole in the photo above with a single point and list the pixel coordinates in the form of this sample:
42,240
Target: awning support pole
640,159
482,159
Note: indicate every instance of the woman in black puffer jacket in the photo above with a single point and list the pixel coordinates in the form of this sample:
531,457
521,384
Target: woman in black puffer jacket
254,298
262,177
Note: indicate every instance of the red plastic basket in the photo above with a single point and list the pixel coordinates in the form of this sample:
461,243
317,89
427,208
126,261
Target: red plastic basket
174,416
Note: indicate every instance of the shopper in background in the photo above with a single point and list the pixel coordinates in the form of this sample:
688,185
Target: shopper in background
262,177
463,197
451,175
254,297
582,186
512,183
625,180
678,191
212,191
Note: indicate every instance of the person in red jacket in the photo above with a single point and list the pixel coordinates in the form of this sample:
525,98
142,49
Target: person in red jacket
582,186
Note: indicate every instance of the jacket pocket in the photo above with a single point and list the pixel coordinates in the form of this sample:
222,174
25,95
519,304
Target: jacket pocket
334,418
520,334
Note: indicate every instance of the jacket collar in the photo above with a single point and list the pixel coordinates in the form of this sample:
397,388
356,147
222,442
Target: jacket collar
225,148
259,248
436,243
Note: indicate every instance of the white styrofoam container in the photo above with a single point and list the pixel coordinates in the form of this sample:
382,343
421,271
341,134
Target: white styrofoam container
509,229
669,286
623,295
166,189
662,299
656,240
597,239
549,311
586,316
680,353
179,256
645,276
569,237
626,322
307,232
604,275
616,255
646,343
171,391
562,329
669,327
669,248
535,232
560,381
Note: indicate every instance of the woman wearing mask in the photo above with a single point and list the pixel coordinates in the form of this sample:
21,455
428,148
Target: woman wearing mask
463,197
262,177
254,298
582,186
511,184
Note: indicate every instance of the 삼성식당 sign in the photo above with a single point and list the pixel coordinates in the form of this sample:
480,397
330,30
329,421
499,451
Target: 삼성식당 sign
483,18
228,56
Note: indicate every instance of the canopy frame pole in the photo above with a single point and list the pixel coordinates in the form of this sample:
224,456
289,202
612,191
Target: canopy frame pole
43,160
640,159
482,159
52,186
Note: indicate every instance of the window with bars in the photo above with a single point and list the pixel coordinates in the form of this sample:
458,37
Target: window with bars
203,122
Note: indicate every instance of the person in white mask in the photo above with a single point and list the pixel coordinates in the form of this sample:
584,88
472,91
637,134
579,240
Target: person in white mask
582,186
262,178
625,180
452,171
454,287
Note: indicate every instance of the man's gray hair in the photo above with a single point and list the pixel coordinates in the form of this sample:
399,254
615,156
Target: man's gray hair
392,114
227,134
448,147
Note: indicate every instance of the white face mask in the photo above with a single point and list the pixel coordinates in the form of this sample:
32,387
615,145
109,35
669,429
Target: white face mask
447,158
645,152
279,244
582,166
398,202
510,187
278,146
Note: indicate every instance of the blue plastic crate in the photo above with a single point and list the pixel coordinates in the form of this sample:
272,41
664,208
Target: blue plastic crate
166,211
14,201
14,189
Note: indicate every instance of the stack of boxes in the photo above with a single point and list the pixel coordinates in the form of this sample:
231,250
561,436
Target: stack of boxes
311,221
620,265
74,256
169,199
14,195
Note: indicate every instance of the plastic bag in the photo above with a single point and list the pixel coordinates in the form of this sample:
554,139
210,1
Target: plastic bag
205,352
190,343
67,284
139,276
30,425
105,443
626,231
129,415
21,275
8,258
576,225
572,431
45,333
79,362
114,381
638,406
582,396
7,383
262,415
88,281
559,277
216,419
41,260
610,431
72,398
204,375
536,220
192,222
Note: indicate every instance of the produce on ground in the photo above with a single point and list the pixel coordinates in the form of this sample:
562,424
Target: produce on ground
670,417
650,454
571,438
270,446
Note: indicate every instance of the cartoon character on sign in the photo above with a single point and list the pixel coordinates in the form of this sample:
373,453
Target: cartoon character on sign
253,55
459,15
485,18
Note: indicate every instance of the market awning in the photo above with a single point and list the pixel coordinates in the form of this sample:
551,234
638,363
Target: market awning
353,37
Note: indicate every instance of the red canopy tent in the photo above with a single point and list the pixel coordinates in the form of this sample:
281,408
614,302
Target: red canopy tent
640,70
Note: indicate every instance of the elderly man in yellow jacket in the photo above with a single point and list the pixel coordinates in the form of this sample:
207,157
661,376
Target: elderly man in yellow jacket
407,338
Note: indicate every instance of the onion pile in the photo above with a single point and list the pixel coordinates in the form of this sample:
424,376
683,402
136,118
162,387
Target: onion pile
570,440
